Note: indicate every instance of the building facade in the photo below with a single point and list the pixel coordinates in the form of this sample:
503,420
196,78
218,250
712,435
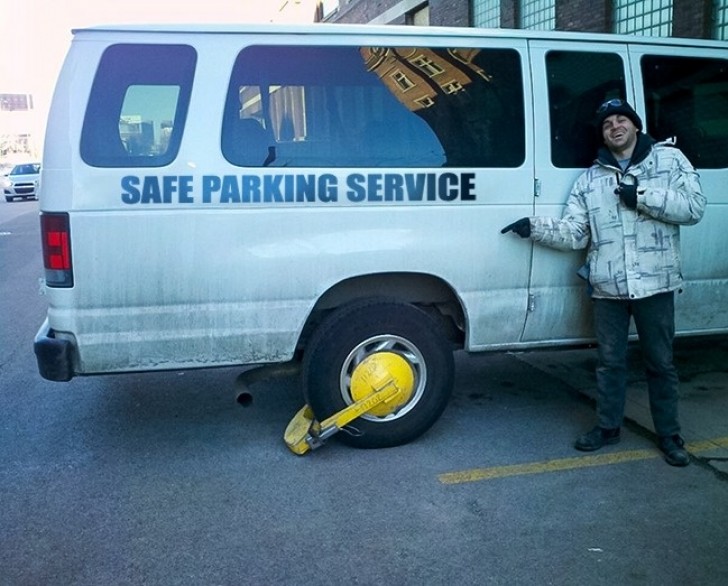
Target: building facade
703,19
18,125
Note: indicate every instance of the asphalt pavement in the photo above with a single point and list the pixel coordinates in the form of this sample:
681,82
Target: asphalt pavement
162,478
703,392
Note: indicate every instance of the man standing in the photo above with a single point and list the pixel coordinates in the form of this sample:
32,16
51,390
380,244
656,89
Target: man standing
627,209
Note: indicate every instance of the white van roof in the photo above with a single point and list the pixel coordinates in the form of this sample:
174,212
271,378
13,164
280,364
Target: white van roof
385,31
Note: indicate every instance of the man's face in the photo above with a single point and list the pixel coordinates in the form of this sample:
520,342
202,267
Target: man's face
619,133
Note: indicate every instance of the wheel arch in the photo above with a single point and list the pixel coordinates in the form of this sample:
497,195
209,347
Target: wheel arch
428,292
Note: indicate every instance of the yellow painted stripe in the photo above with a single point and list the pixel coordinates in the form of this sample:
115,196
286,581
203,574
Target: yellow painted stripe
544,467
706,445
547,466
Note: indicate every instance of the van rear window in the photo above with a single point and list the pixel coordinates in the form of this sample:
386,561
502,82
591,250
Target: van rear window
295,106
138,105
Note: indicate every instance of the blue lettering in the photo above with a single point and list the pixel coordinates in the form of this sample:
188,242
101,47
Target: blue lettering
445,193
374,188
356,192
150,191
289,188
210,184
305,188
155,191
431,195
229,192
185,189
251,189
169,186
393,187
272,188
327,188
415,186
130,194
360,187
467,187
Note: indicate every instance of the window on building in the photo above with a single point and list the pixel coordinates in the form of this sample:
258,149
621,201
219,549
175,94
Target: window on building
427,65
138,106
643,17
486,13
298,106
419,16
16,102
403,82
537,14
720,12
578,83
687,98
328,7
15,143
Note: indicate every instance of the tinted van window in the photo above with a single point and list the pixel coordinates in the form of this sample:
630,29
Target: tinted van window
687,97
579,82
375,107
138,105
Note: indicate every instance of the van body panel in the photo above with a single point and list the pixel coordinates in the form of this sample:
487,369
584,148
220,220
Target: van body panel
701,305
206,260
209,301
555,288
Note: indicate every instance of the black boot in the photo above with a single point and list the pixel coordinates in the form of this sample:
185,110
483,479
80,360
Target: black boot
674,449
597,438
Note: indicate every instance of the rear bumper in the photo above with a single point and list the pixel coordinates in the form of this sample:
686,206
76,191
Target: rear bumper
54,355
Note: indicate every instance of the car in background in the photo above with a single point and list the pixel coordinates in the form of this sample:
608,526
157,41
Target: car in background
22,182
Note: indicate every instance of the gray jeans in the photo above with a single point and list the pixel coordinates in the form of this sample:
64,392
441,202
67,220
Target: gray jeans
654,318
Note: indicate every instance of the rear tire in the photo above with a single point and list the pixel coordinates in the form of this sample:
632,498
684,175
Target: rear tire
354,332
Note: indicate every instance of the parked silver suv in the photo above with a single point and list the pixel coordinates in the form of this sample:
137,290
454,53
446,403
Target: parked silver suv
22,182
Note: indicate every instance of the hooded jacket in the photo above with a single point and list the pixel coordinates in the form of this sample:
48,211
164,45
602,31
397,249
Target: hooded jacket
632,254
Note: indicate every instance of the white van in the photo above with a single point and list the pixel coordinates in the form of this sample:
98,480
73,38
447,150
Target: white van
235,195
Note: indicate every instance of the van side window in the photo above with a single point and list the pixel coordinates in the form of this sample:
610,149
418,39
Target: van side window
375,107
138,105
578,82
687,97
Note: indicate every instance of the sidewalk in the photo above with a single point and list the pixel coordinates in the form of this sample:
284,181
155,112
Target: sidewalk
703,368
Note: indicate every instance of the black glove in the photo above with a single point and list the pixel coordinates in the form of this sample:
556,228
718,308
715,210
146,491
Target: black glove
521,227
628,194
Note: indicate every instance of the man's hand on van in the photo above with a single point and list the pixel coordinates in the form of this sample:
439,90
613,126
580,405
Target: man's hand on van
521,227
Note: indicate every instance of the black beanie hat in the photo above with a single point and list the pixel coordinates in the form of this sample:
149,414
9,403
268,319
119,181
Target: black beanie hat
611,107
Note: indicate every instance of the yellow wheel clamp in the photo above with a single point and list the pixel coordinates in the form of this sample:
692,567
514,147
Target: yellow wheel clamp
381,383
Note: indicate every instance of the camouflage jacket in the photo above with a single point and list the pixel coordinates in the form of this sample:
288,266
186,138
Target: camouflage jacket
631,253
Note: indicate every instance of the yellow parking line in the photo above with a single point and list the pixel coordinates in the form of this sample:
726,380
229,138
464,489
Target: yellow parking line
706,445
543,467
477,474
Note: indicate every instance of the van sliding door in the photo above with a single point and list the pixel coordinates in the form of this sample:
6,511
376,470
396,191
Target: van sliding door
570,81
684,95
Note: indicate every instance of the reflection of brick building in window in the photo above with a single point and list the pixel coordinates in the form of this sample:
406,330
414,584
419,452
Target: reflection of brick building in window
417,76
453,92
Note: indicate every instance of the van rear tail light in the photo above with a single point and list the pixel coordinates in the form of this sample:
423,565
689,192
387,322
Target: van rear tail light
56,234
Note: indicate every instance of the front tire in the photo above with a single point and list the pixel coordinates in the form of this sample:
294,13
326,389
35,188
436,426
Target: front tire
358,331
